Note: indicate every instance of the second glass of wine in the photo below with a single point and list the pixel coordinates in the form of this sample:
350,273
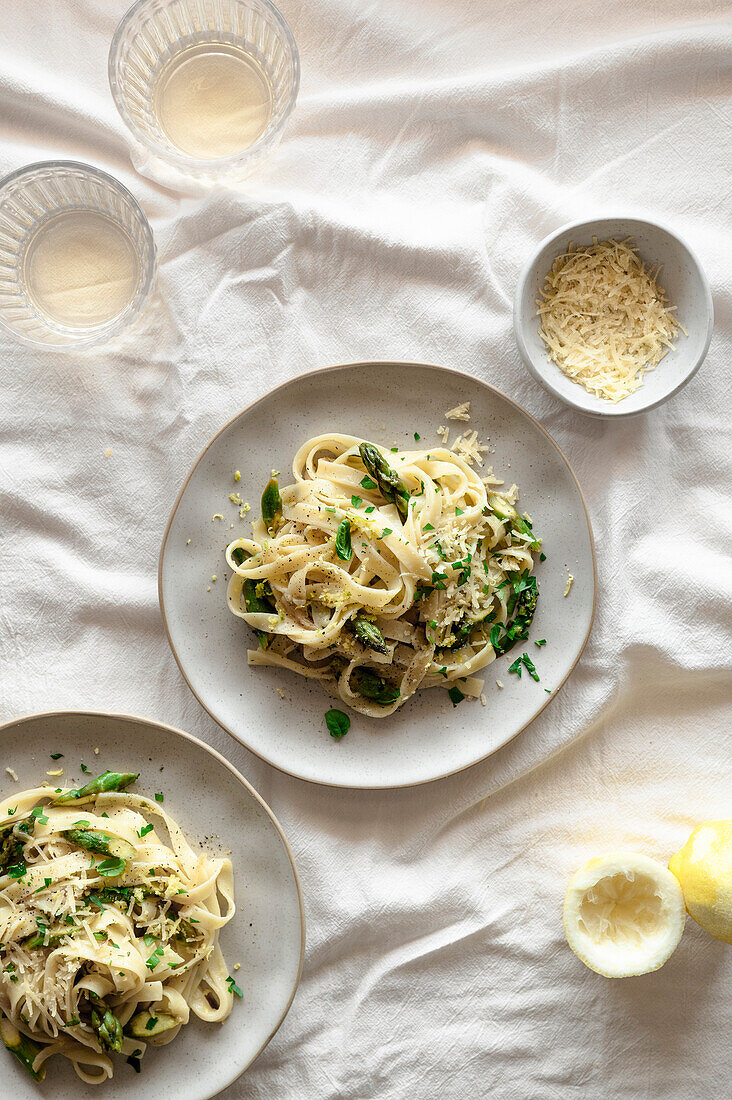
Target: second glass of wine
205,88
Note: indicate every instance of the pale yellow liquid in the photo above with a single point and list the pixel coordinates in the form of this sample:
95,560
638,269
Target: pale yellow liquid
213,101
81,269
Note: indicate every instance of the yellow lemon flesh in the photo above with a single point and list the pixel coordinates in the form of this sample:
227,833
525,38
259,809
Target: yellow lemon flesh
623,914
704,869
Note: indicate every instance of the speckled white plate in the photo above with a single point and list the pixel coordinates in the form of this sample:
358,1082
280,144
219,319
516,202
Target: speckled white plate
208,797
426,738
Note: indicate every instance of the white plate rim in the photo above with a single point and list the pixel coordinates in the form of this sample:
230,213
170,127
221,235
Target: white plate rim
248,409
125,717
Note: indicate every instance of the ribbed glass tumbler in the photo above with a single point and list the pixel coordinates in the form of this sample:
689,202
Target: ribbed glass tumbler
77,255
204,86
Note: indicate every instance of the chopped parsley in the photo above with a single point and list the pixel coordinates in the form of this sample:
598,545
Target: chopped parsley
159,796
356,501
417,436
151,1023
56,755
541,642
455,694
145,830
234,988
85,769
428,527
371,508
134,1060
367,483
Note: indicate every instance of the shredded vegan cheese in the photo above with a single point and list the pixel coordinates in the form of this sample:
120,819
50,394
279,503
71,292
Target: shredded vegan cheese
604,318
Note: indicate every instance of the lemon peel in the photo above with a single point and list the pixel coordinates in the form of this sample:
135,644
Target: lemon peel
704,869
623,914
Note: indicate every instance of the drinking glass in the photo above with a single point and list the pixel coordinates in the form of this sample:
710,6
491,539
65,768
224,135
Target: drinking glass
55,289
151,41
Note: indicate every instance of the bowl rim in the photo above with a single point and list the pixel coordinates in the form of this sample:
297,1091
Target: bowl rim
194,166
614,411
130,718
128,315
248,408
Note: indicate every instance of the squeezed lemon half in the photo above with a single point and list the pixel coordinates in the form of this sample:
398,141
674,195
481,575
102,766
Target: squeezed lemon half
704,869
623,914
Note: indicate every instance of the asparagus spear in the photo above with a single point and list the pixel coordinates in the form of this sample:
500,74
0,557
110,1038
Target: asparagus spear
24,1049
107,781
38,940
146,1025
271,505
390,485
371,686
369,634
93,840
107,1027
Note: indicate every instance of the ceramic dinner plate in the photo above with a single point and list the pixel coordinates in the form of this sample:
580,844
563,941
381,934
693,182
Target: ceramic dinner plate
280,715
208,798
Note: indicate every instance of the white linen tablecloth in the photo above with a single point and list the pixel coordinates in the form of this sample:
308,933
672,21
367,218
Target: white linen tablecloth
433,145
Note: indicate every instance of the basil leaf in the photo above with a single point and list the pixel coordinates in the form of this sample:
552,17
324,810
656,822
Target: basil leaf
343,541
111,867
338,723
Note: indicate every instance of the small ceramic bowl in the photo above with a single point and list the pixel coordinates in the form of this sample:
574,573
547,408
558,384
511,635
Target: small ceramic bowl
681,277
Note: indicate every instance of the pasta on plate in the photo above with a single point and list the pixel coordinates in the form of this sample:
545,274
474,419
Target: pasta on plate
109,927
378,572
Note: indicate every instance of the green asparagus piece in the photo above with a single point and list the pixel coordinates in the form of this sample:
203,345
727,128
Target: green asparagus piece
11,851
108,1028
38,940
146,1025
24,1049
371,686
271,505
369,635
526,595
390,485
93,840
107,781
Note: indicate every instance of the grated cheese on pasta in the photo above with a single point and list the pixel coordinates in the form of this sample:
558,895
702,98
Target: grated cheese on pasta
604,318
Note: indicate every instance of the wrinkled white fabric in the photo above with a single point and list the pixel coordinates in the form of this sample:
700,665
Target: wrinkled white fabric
433,145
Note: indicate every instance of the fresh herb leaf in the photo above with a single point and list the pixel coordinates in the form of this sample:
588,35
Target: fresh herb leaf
459,511
145,830
56,755
368,483
85,769
112,867
428,527
159,797
371,508
530,667
417,436
234,987
151,1023
134,1060
338,723
455,694
541,642
356,502
17,870
343,541
516,667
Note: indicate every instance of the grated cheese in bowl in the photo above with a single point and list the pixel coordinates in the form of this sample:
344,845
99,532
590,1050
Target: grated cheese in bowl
604,318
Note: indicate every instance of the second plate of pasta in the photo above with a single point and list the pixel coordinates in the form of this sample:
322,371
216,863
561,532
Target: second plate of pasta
364,576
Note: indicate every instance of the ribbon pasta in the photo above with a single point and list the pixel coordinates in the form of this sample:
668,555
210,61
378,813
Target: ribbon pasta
437,586
78,942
